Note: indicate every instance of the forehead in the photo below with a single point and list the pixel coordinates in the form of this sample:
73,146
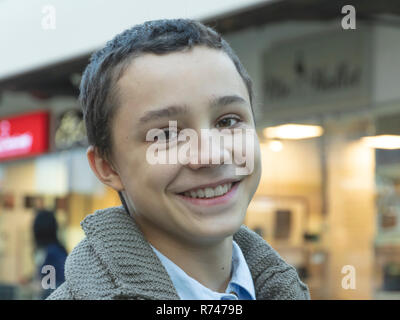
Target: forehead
185,77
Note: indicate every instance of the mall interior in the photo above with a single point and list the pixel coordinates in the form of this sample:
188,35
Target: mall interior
328,119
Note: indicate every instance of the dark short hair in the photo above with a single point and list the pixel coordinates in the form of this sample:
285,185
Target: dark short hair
98,92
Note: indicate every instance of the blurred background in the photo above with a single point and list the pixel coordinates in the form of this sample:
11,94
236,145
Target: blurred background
327,84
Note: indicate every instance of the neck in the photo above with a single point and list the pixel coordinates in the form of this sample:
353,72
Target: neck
210,264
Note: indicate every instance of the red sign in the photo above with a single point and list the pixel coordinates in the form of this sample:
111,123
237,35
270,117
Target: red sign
24,135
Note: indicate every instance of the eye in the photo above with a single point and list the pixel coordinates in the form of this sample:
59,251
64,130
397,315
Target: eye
227,122
169,134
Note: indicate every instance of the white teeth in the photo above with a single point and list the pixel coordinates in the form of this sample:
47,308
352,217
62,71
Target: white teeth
200,193
209,192
219,191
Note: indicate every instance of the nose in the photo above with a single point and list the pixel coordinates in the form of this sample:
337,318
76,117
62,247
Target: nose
210,151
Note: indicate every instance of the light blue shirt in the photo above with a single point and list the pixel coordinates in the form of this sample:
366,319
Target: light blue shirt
240,287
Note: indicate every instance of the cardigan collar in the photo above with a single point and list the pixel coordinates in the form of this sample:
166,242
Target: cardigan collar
131,269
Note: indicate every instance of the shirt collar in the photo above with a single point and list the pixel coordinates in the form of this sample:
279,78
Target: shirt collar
241,275
188,288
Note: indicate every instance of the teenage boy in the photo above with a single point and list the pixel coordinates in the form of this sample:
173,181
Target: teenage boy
179,233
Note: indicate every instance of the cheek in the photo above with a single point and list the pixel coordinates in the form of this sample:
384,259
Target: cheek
142,178
159,176
138,174
257,149
147,187
246,152
257,162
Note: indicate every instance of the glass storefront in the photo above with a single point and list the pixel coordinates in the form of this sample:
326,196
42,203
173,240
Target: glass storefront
330,206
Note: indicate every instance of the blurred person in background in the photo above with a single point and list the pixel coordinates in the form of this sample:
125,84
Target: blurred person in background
48,250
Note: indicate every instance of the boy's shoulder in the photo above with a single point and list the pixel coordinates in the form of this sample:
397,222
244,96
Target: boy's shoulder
77,274
87,275
112,261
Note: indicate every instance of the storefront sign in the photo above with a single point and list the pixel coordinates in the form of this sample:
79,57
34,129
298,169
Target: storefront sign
24,135
315,74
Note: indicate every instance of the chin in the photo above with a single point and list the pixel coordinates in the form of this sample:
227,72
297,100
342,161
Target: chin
212,232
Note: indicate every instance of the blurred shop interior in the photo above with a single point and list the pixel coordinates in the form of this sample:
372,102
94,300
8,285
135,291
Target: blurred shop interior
328,117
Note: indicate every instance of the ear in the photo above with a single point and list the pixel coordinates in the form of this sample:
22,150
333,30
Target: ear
103,169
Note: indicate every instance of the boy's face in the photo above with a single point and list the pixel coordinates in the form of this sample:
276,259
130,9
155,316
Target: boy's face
155,193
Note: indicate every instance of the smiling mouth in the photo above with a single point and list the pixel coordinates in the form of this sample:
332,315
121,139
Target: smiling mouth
209,193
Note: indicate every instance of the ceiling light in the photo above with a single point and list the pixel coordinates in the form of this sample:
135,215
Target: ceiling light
275,145
293,131
383,141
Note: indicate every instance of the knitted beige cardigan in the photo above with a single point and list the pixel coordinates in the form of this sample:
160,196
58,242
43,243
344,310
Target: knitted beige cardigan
114,261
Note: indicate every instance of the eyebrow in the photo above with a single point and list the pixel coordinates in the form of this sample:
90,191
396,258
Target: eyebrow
174,110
